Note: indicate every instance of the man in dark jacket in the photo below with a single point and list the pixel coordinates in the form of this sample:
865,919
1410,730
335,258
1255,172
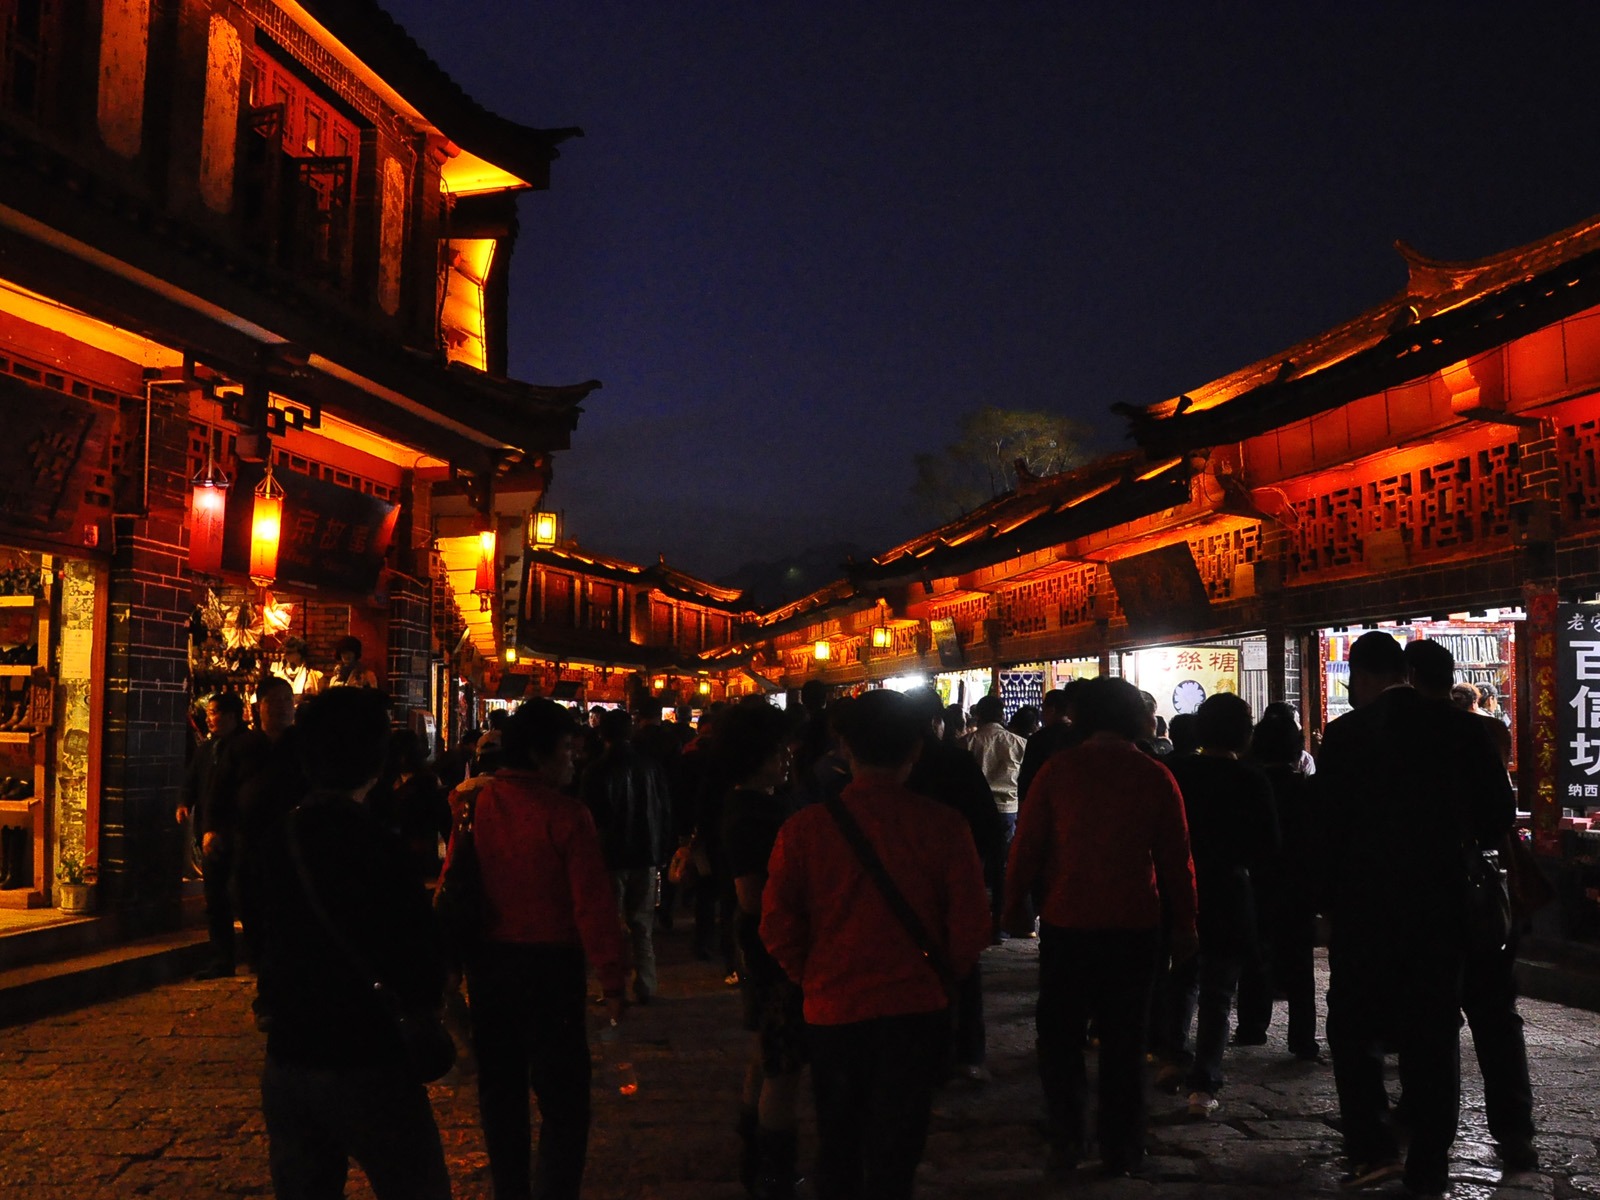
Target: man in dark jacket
626,792
1409,786
347,910
221,766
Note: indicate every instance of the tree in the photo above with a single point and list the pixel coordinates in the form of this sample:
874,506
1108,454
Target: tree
982,463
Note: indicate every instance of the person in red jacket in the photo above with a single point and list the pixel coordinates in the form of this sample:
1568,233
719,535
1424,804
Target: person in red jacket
1103,833
875,1007
550,903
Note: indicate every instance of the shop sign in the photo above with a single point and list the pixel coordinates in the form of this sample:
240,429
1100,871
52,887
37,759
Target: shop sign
333,537
946,641
1161,591
1565,699
1182,677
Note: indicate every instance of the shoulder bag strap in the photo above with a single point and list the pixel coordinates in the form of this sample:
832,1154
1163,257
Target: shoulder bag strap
898,904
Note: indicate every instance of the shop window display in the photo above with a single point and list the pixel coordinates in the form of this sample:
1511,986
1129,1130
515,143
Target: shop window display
25,718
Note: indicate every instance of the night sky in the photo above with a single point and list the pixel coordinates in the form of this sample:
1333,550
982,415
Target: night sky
802,237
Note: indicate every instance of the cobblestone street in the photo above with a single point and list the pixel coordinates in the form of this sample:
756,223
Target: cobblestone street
156,1095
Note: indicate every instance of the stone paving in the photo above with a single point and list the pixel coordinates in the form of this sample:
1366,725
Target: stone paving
155,1095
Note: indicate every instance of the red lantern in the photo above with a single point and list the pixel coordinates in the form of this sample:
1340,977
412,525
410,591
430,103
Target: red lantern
266,528
208,504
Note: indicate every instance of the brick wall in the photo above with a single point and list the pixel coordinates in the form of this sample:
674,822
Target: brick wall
146,689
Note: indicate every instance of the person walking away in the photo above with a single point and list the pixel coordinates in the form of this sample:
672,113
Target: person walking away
1104,837
1055,733
211,793
551,909
411,803
337,1084
999,753
1405,784
875,1007
756,751
627,795
1286,906
951,776
1232,828
1489,985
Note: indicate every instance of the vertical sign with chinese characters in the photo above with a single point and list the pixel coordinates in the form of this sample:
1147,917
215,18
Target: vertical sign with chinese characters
1576,725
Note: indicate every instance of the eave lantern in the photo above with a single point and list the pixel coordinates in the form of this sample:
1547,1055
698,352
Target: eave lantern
704,687
882,637
208,506
822,650
483,583
544,529
266,529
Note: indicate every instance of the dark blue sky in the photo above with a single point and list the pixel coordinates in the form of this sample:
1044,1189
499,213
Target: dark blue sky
802,237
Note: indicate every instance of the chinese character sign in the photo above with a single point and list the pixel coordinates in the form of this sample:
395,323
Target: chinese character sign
1566,727
1180,678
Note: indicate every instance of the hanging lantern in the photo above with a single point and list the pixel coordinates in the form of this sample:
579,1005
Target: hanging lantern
511,655
266,529
705,687
545,529
882,637
208,504
822,651
483,584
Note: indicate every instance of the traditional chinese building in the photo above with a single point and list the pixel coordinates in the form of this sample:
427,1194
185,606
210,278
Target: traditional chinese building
599,630
1429,466
253,307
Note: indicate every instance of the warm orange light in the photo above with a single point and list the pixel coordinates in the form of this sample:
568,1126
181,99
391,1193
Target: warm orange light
882,637
511,654
266,529
821,651
485,574
208,504
660,682
544,529
705,687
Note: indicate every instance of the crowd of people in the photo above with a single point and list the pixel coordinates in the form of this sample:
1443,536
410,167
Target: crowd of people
845,863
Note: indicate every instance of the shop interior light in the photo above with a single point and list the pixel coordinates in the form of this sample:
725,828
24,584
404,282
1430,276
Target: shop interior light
545,528
266,529
208,504
822,650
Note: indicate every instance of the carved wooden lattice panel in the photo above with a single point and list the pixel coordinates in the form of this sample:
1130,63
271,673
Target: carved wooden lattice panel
1057,601
1219,555
1460,502
1580,471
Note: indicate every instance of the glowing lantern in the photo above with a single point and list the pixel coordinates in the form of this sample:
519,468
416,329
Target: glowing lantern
882,637
511,654
484,583
705,687
266,529
822,651
208,503
545,528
